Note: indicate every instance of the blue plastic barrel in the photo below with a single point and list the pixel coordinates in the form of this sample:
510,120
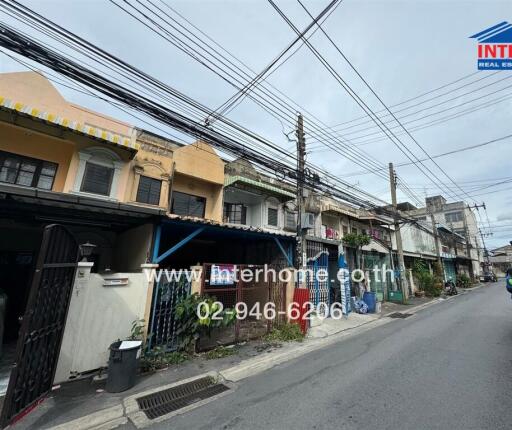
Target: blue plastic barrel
370,298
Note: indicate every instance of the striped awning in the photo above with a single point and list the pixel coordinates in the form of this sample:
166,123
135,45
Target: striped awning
69,124
230,180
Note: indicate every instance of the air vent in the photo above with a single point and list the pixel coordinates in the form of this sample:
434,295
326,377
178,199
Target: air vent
166,401
399,315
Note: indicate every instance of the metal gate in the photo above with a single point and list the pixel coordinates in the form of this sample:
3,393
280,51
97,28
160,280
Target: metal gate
318,259
43,323
163,325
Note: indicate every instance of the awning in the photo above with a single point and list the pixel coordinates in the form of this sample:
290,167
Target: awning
227,227
230,180
68,124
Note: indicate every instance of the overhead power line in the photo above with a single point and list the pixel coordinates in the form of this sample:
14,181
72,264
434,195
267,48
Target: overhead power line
385,106
400,145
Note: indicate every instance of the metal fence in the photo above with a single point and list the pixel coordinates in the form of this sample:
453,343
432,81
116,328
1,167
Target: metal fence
163,325
255,294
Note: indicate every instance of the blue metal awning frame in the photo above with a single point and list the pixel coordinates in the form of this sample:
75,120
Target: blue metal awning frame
201,227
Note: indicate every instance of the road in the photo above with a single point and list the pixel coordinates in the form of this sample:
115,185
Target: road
447,367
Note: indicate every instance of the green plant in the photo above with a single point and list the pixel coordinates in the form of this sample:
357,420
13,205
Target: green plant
426,280
158,358
190,327
288,332
137,330
356,240
463,280
220,352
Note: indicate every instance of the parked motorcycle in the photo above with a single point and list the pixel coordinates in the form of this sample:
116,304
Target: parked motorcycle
450,289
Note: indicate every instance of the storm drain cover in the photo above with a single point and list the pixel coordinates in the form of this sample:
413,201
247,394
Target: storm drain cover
166,401
399,315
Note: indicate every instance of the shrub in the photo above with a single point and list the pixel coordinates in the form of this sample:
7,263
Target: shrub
285,333
158,358
463,280
428,282
190,327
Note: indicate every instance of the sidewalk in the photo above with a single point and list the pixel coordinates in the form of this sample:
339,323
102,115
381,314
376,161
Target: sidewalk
85,405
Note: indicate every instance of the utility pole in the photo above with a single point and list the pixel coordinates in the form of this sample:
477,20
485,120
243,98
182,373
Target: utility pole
486,253
436,237
468,238
401,265
301,161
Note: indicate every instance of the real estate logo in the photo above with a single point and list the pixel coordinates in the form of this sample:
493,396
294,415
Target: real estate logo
495,47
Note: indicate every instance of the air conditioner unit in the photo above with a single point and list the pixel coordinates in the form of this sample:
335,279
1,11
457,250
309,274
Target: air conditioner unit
308,220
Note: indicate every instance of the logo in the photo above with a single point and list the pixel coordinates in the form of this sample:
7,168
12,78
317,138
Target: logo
495,47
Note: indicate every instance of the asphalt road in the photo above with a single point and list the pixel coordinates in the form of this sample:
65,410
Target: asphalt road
447,367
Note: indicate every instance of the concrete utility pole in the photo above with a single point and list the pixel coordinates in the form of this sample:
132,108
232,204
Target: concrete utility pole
486,253
301,161
436,237
468,238
404,285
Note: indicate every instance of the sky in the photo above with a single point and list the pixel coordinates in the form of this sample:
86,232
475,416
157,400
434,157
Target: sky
402,49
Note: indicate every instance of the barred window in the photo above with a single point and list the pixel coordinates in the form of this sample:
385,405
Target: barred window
235,213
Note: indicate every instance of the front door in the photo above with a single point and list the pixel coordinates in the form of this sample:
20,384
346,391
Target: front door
43,324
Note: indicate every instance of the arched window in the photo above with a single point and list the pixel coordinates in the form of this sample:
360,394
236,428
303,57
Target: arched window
98,172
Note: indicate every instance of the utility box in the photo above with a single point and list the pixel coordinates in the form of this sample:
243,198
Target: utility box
308,221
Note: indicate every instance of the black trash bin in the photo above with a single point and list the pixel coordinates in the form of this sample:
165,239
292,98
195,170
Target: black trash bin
122,367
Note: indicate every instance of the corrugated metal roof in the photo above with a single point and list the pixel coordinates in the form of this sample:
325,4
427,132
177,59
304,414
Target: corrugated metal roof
69,124
239,227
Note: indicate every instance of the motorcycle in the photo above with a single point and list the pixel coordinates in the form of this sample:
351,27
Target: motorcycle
450,289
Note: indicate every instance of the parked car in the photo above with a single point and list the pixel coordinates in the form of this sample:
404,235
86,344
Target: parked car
488,277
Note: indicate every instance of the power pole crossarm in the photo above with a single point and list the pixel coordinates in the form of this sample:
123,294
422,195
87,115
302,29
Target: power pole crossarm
400,251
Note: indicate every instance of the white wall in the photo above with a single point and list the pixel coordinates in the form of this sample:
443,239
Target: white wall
98,316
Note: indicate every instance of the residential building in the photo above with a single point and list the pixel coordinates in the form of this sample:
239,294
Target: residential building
461,220
501,259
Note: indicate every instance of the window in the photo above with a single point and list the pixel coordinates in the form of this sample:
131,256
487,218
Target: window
272,216
290,220
149,190
235,213
345,230
453,217
97,179
31,172
187,204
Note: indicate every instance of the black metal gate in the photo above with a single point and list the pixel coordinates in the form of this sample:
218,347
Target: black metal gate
43,323
163,325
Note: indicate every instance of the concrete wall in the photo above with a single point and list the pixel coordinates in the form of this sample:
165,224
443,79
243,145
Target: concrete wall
417,240
37,145
199,160
98,316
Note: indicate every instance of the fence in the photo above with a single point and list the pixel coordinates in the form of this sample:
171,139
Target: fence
163,324
254,294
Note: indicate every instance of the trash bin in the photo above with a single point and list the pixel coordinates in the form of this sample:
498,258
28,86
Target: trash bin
122,365
369,298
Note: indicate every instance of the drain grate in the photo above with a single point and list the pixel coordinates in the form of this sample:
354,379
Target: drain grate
166,401
399,315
